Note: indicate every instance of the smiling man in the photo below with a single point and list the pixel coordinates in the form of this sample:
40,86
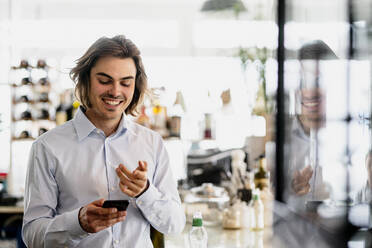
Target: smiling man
306,179
101,155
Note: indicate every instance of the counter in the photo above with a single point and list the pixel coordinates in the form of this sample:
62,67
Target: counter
224,238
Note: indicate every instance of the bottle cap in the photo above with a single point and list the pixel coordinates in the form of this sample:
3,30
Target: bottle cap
256,194
197,219
76,104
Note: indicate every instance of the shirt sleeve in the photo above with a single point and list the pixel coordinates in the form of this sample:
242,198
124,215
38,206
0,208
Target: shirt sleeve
160,203
43,226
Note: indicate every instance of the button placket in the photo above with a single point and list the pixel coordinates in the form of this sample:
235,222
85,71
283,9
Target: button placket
109,164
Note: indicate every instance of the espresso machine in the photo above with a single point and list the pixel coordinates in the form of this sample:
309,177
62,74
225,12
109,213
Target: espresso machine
208,164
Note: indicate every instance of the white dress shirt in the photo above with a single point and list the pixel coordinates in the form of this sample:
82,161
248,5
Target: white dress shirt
298,152
74,164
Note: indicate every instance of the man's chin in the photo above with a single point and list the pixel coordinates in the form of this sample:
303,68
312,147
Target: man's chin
112,114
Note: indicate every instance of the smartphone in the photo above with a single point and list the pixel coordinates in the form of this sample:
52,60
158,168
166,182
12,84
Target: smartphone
120,205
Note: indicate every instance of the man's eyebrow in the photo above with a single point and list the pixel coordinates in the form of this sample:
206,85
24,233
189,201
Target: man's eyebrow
106,75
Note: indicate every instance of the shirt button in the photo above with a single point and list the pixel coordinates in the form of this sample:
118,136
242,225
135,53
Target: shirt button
112,188
139,202
116,241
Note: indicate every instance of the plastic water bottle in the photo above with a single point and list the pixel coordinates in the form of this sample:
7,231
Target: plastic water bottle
198,236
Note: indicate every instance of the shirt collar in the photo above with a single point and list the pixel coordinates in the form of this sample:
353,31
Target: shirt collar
124,125
84,126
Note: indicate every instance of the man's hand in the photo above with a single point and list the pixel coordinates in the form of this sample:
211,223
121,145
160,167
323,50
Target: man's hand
300,182
93,218
133,184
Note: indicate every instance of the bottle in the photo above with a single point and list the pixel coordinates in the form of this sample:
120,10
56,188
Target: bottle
3,176
257,212
26,115
61,111
262,176
198,236
209,121
41,64
157,238
238,169
159,122
233,216
176,113
143,118
44,114
245,194
44,81
75,107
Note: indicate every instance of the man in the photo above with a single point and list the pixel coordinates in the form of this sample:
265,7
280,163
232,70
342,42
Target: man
305,172
99,155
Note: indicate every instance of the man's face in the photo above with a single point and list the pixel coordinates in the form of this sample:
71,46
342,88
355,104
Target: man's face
112,84
313,107
312,97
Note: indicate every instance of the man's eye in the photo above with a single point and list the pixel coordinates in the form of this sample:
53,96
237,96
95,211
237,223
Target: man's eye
104,82
126,84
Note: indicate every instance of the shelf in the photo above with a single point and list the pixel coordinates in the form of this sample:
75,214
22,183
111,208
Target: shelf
32,119
31,102
11,209
47,88
23,139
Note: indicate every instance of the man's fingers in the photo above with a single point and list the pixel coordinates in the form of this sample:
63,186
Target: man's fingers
142,175
101,211
142,165
307,172
304,190
296,175
125,170
110,222
299,187
138,178
98,203
100,224
124,173
126,190
129,184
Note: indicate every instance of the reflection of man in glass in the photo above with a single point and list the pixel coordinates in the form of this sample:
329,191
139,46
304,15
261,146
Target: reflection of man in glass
305,172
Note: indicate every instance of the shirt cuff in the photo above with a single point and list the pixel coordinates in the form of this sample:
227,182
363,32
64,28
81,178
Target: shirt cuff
73,225
150,195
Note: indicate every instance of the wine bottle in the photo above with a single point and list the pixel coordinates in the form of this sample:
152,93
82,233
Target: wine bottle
41,64
24,64
209,121
44,114
157,238
26,81
61,113
26,115
176,113
262,176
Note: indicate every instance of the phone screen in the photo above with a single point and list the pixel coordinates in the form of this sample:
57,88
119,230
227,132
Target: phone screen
120,205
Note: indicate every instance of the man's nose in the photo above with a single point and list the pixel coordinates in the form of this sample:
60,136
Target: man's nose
115,89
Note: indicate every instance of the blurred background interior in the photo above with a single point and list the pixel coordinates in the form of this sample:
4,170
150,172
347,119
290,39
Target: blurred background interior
212,67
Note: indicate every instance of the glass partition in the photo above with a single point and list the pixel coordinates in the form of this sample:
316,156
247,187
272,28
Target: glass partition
326,137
